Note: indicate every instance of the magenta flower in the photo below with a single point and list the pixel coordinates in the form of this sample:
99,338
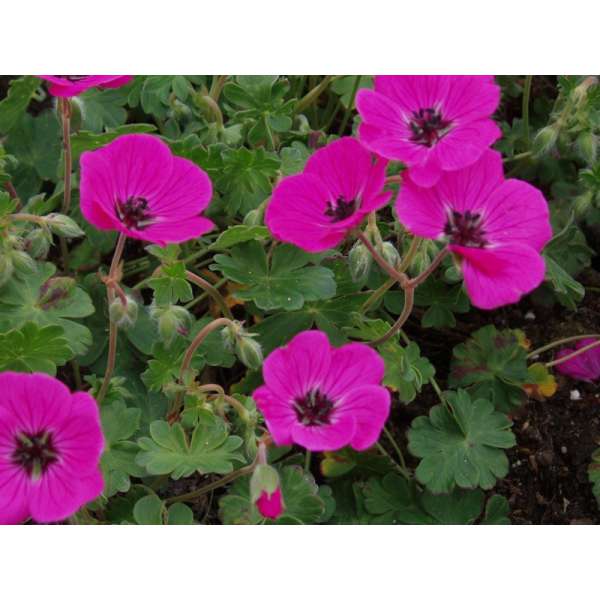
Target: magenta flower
323,398
340,184
50,447
430,123
495,227
270,505
67,86
585,366
136,186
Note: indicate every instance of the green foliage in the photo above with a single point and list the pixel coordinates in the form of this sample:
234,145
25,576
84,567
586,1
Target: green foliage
284,281
492,364
393,500
170,450
14,105
170,285
461,444
594,474
119,424
302,502
33,348
38,297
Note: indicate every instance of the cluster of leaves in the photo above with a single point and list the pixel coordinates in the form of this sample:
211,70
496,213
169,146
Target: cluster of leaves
247,132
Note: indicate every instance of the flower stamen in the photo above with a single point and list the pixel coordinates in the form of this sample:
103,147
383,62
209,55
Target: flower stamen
314,409
428,126
35,453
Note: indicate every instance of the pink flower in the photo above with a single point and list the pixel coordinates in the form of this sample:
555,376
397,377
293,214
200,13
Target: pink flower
323,398
430,123
50,447
340,184
585,366
136,186
67,86
270,505
495,227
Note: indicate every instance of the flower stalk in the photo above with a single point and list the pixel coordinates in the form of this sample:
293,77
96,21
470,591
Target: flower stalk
212,291
562,359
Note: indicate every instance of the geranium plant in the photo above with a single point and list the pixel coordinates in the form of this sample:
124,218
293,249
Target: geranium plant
294,300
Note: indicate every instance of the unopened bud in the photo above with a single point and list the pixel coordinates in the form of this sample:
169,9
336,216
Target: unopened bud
249,351
172,321
359,262
23,262
55,290
587,146
254,217
63,225
390,253
265,491
123,315
37,243
545,139
6,268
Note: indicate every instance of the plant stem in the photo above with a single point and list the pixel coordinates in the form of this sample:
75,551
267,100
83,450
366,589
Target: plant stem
113,329
307,458
562,341
406,474
410,254
212,291
401,278
377,294
65,111
525,111
350,105
216,87
517,156
396,447
409,302
435,263
563,359
313,94
212,486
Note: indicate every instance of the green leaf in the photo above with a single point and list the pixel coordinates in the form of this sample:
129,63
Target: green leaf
119,423
293,158
33,348
170,285
180,514
461,445
45,300
496,511
17,99
238,234
286,283
343,86
494,364
149,510
104,108
89,140
568,291
169,451
300,496
594,474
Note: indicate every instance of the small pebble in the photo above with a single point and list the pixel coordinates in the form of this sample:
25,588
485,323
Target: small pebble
530,315
575,395
563,449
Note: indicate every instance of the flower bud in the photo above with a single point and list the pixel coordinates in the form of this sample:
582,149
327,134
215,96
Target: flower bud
390,253
37,243
359,262
254,217
265,491
6,268
123,315
545,139
55,290
23,262
172,320
248,350
587,146
63,225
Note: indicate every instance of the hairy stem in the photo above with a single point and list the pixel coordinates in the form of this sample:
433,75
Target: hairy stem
406,474
401,278
65,111
573,338
396,447
113,329
525,110
563,359
212,291
313,94
409,302
435,263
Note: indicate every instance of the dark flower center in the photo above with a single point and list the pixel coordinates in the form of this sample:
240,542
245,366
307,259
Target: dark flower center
134,212
35,452
465,229
428,126
315,408
341,209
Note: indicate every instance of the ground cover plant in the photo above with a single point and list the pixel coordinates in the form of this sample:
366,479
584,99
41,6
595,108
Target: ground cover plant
299,299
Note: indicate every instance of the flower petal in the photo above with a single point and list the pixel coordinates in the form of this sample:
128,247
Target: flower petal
325,437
